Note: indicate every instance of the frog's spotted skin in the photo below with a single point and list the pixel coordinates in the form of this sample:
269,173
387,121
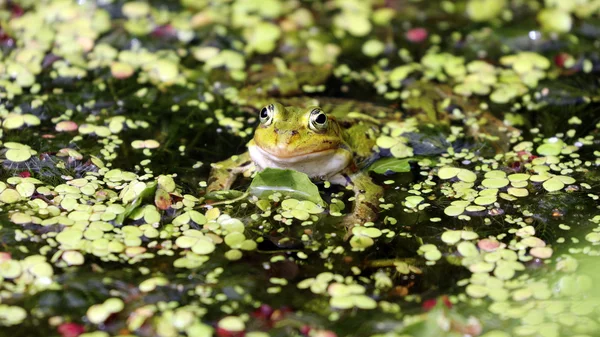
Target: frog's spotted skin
309,141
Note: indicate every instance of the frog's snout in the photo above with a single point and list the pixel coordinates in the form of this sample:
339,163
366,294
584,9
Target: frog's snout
285,137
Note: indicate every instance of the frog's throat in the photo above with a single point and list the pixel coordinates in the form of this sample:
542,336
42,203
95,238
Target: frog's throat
321,165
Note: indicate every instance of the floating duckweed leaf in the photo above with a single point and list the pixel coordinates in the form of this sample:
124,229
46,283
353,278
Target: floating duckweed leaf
451,237
349,296
495,174
166,183
593,237
233,255
481,267
262,37
151,283
495,182
552,148
288,182
9,196
485,200
397,146
467,249
430,252
234,239
532,241
10,269
145,144
373,48
432,255
446,173
73,258
20,218
518,192
555,20
453,210
361,242
11,315
322,53
485,10
371,232
232,324
504,271
518,177
413,201
230,224
18,155
466,176
566,179
13,121
300,214
205,53
356,22
541,252
468,235
121,70
66,126
228,58
98,313
203,246
476,291
135,9
387,165
553,184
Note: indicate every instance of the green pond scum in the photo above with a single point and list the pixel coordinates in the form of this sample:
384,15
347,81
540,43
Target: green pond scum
481,128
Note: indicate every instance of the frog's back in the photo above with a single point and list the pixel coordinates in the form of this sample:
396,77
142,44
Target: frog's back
361,136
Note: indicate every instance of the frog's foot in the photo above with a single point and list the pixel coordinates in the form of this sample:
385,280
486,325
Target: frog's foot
366,202
349,222
224,173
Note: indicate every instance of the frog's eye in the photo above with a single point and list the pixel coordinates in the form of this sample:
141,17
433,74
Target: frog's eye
318,120
266,114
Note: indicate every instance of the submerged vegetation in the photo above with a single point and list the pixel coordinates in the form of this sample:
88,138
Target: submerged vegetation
112,114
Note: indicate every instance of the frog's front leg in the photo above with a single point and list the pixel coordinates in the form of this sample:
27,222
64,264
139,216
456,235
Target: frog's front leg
366,202
224,173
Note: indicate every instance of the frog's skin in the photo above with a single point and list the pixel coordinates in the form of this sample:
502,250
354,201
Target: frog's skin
310,141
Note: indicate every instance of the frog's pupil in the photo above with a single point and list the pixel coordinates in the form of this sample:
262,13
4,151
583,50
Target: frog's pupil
264,113
321,119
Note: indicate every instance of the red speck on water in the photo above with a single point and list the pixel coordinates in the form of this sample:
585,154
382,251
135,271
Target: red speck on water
430,303
70,329
417,35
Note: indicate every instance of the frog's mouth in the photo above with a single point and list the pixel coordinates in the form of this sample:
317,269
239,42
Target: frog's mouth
321,164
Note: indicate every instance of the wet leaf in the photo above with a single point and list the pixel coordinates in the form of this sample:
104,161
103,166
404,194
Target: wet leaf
287,182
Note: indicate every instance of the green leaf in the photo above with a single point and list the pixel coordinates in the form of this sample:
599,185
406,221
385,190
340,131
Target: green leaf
287,182
391,164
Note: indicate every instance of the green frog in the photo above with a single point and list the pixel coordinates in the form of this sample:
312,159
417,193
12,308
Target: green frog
309,140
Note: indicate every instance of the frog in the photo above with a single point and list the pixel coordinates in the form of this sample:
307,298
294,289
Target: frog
326,147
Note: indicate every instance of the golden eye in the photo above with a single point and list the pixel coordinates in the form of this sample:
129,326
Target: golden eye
266,114
318,120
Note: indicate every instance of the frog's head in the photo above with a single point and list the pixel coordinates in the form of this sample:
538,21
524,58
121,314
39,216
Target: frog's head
293,137
287,132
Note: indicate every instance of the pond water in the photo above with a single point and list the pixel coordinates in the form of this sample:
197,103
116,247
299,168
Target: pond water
478,119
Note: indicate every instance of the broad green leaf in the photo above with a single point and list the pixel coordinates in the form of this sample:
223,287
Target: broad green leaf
287,182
